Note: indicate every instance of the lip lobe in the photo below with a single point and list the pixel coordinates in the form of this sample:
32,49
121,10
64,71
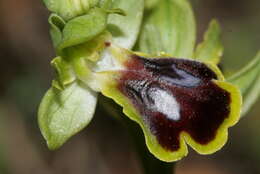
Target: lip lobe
174,96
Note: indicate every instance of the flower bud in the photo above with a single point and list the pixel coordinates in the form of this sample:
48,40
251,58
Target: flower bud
68,9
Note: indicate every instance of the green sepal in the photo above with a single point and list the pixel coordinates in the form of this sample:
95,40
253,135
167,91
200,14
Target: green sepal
63,113
248,81
56,26
211,49
169,28
125,29
84,28
65,74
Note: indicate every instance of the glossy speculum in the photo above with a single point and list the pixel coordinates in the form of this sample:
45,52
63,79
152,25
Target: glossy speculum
175,96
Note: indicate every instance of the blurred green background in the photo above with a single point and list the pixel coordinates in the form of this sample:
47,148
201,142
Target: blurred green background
105,147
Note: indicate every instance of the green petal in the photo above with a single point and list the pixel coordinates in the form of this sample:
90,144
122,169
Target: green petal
248,80
64,113
211,49
170,28
57,24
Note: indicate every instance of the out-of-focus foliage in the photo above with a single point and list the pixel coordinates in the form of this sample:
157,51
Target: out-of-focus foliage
3,166
248,80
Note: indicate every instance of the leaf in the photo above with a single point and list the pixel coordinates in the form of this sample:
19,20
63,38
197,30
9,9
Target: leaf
84,28
170,28
248,80
64,113
211,49
125,29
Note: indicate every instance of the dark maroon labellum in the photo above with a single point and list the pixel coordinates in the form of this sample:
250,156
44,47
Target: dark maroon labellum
175,95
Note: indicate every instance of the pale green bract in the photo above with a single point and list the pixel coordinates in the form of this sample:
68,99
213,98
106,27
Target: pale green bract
64,113
170,28
248,80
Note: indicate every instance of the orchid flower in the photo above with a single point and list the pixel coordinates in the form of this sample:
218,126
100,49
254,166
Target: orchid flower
177,94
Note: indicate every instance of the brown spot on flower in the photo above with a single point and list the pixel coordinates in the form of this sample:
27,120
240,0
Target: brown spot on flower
107,44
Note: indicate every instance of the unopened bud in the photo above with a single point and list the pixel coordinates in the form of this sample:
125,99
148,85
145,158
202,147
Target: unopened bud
68,9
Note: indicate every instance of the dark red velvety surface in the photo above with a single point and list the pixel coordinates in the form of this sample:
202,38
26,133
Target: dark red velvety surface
203,105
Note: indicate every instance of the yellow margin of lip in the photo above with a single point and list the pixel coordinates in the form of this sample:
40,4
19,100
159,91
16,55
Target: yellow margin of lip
222,132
